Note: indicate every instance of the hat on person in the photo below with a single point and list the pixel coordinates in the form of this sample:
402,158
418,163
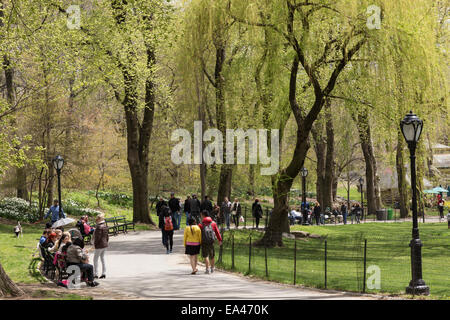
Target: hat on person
100,217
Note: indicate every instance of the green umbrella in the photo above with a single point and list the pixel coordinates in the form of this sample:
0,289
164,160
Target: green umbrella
439,189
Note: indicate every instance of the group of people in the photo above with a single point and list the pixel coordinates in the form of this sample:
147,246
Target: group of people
68,248
318,216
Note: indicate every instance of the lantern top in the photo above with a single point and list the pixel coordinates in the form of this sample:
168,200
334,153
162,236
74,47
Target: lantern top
411,127
304,172
58,162
361,180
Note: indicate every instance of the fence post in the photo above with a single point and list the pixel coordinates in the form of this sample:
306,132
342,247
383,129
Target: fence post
365,260
325,264
232,251
295,261
245,217
265,258
267,217
250,254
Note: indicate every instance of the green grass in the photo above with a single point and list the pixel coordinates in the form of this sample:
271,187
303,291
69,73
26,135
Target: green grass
16,253
387,248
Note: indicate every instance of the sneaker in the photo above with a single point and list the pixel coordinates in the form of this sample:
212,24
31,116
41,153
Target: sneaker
207,271
168,251
95,277
212,270
103,276
92,284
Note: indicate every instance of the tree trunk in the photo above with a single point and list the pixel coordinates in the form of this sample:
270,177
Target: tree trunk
7,286
370,161
401,177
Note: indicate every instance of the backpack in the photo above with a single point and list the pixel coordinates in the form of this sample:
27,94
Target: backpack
208,235
168,225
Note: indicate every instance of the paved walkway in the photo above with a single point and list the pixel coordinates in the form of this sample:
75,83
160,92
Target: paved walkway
138,266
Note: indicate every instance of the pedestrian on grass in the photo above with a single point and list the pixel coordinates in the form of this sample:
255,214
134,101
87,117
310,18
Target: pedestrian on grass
257,212
192,240
236,212
225,211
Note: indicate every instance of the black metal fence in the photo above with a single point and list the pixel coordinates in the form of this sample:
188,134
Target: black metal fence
353,263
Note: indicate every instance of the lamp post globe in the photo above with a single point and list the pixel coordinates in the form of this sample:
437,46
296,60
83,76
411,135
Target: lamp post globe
304,211
411,127
58,164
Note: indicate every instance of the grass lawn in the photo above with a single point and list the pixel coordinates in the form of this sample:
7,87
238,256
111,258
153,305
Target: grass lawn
387,249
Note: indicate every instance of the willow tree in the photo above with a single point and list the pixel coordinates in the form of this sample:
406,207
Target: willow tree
322,39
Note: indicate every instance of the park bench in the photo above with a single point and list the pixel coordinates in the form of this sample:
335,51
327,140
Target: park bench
119,224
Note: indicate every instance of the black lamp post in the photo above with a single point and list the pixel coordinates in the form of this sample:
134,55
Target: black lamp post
411,127
304,213
361,181
58,163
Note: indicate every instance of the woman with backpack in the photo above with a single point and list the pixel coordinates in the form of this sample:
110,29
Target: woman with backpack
192,240
168,229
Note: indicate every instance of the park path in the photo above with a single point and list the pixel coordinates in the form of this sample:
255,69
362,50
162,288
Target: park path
138,266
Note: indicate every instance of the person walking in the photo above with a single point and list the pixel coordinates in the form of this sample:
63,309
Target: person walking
54,211
192,241
101,239
168,229
186,208
161,206
225,211
358,213
236,212
207,205
344,213
317,212
257,212
441,208
18,230
194,205
174,205
210,233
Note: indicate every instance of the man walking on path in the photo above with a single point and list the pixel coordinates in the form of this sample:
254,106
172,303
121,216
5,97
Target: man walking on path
186,208
159,211
257,212
54,210
207,205
344,212
194,205
225,210
210,233
174,205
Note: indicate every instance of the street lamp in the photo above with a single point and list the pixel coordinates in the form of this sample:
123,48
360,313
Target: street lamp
361,181
411,127
58,163
304,213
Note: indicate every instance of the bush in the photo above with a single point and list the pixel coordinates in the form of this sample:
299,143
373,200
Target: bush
75,209
118,199
19,210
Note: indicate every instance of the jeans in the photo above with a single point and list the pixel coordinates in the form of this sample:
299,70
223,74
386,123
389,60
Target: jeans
344,216
99,253
322,218
177,216
227,220
358,217
187,218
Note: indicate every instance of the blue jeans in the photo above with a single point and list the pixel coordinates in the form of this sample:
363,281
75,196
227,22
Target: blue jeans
177,216
322,218
187,218
344,215
227,220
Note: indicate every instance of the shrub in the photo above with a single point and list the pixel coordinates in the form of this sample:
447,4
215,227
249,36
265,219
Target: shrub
19,210
76,209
